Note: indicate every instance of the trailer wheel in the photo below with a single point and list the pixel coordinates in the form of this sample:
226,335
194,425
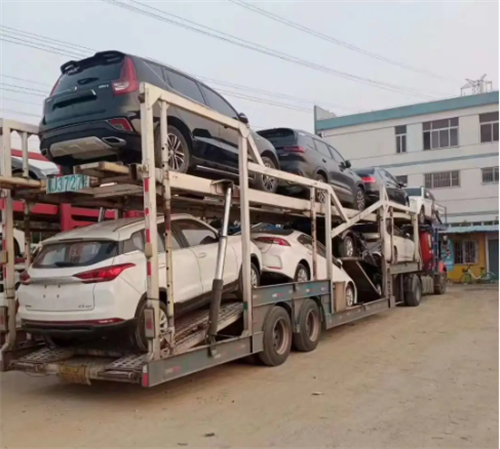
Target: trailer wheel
310,327
413,294
277,337
440,283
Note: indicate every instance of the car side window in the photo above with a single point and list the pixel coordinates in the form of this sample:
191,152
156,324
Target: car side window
184,85
215,101
134,243
390,178
154,74
161,239
336,155
196,233
306,141
322,148
307,241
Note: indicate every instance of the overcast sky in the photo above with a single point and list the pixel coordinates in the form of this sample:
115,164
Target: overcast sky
454,40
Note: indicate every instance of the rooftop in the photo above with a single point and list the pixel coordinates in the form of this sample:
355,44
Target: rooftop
432,107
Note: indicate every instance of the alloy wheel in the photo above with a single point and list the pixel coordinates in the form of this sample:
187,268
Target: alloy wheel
268,181
176,153
302,275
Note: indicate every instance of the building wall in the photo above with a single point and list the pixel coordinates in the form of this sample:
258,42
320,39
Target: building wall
480,239
374,144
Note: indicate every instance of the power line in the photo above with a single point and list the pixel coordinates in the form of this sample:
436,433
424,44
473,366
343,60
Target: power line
16,100
24,79
331,39
193,26
14,111
37,91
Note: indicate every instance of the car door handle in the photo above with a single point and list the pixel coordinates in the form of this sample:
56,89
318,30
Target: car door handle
324,160
202,255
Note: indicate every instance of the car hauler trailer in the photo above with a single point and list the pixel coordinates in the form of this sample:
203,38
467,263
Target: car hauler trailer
268,319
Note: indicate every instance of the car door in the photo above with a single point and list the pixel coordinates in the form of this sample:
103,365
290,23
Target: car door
228,137
205,132
327,164
204,242
185,271
347,175
394,192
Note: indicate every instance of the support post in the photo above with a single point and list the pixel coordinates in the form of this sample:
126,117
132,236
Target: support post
245,233
328,246
8,240
416,236
314,234
26,174
386,274
152,314
167,214
218,282
102,214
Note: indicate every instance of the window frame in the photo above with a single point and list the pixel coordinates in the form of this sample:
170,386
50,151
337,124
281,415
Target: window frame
493,175
433,182
401,139
207,102
320,142
432,132
463,252
491,124
167,71
182,237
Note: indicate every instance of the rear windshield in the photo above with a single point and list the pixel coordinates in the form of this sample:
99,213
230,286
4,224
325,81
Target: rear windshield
365,171
90,71
280,137
75,254
414,191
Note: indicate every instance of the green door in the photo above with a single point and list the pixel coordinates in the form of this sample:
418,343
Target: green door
493,256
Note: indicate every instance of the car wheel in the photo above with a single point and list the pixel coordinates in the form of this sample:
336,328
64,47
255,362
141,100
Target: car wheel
421,216
360,199
139,338
347,247
254,279
267,183
301,273
321,195
178,150
349,296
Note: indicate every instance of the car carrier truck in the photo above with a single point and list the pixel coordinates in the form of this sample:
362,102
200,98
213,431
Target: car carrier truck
266,324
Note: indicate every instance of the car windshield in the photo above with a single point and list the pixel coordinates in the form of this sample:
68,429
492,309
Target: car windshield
414,191
75,254
280,137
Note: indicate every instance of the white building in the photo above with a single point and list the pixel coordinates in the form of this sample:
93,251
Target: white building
450,146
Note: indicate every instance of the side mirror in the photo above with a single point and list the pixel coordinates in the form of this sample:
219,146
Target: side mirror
347,164
402,184
243,118
407,235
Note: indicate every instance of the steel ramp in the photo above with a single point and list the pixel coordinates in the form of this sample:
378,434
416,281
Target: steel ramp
367,291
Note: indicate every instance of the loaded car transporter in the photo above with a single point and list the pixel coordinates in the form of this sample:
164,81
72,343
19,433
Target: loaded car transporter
269,320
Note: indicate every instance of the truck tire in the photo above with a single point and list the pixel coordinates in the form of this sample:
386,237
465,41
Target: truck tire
440,283
310,327
413,293
277,337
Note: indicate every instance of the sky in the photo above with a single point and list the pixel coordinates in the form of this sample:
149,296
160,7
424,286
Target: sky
444,42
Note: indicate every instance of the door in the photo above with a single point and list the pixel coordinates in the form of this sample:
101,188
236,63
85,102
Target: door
394,192
332,168
205,132
347,175
204,243
493,256
228,137
185,271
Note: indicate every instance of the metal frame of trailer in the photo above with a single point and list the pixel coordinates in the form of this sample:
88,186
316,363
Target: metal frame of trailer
198,342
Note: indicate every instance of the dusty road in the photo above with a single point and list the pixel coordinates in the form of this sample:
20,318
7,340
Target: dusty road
424,377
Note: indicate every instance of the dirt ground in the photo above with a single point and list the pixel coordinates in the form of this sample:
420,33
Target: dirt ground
421,377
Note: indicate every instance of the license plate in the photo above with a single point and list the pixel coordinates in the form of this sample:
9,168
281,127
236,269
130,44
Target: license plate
68,183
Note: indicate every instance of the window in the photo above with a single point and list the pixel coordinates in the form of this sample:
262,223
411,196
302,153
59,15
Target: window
441,134
307,241
322,148
401,139
402,178
196,233
161,239
134,243
490,175
185,86
215,101
337,156
442,179
75,254
489,127
465,252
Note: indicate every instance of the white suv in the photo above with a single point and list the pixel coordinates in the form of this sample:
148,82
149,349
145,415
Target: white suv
93,280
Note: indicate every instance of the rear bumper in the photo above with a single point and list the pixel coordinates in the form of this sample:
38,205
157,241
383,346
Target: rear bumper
70,329
83,142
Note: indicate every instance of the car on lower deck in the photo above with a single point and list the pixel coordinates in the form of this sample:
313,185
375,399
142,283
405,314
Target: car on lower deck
92,281
93,114
287,255
305,154
375,179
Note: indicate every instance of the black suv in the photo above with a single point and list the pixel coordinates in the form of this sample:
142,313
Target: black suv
307,155
93,114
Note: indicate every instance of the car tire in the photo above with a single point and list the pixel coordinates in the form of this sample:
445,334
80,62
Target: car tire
301,273
347,247
349,295
182,152
321,194
359,199
277,337
266,183
139,339
254,271
421,216
307,339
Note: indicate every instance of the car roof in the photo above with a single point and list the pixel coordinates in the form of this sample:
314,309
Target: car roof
117,230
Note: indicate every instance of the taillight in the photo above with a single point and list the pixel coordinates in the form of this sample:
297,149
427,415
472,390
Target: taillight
105,274
295,149
272,240
128,81
55,86
121,124
24,278
369,179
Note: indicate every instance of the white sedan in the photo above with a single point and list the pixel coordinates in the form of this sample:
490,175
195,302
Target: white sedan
288,254
93,279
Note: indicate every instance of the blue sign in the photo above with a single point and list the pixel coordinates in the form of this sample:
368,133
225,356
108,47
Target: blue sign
448,255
